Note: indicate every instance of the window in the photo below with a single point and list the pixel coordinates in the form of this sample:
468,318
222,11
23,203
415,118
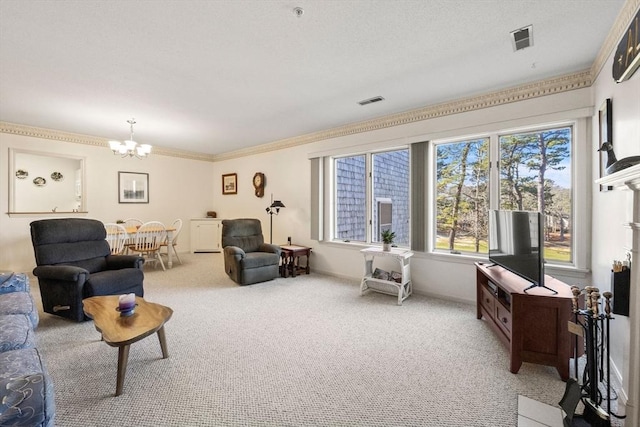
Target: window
534,174
462,195
364,207
351,196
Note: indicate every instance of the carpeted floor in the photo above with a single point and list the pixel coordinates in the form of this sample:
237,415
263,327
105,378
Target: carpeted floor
304,351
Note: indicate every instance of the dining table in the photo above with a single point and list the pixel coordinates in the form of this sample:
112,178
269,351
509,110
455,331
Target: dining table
131,234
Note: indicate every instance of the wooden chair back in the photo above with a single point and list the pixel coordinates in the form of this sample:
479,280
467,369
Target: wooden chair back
116,237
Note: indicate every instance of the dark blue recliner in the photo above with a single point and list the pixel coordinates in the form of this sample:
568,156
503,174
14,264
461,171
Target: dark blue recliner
74,262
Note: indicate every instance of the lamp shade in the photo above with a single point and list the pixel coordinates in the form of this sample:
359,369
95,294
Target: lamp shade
277,204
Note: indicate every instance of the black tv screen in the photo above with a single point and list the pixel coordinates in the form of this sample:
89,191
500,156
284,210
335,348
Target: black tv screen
516,242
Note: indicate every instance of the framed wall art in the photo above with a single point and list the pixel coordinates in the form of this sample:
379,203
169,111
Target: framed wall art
133,187
605,120
230,183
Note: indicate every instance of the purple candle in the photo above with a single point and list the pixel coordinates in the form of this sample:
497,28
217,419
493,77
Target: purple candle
126,303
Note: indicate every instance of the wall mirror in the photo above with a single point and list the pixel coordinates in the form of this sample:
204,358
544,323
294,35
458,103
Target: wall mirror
45,182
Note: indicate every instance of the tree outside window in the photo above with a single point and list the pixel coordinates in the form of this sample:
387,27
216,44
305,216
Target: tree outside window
534,175
462,200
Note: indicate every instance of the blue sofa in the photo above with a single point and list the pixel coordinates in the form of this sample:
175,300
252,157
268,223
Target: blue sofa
26,389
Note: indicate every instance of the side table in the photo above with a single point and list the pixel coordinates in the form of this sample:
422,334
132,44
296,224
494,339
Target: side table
402,289
290,255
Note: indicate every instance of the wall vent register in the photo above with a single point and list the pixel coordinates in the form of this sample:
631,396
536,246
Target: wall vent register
522,38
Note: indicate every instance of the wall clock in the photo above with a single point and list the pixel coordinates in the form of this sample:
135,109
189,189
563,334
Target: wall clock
258,183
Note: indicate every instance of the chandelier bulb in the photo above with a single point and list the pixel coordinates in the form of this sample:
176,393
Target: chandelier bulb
130,148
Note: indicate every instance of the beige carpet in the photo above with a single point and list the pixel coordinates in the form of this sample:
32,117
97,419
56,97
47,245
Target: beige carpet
304,351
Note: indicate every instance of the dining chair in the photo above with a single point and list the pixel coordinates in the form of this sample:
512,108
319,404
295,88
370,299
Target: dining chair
177,225
117,237
147,241
130,223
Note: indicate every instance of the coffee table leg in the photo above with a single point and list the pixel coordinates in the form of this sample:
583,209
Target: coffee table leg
123,358
163,343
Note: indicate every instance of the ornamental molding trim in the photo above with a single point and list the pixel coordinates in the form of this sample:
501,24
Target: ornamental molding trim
524,92
621,24
56,135
537,89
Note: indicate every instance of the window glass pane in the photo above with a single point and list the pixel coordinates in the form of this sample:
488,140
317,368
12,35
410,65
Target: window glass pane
391,195
350,180
462,199
535,175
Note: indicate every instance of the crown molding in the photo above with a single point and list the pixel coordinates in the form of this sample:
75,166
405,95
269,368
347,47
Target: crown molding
537,89
56,135
623,20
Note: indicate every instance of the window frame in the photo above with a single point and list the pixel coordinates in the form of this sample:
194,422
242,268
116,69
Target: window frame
369,196
580,191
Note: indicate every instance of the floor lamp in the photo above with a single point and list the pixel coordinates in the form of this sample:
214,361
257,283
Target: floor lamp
272,210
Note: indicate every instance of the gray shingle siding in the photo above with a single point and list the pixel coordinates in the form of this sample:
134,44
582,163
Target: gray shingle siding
391,180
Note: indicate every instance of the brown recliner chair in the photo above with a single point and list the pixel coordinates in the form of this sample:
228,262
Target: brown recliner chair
247,258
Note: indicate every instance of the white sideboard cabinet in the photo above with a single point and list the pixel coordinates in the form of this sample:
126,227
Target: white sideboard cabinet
206,235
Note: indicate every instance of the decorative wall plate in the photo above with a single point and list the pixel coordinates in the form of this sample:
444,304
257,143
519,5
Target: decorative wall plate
21,174
40,181
57,176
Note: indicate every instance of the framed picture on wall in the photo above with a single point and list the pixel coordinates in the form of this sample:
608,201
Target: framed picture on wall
605,121
230,183
133,187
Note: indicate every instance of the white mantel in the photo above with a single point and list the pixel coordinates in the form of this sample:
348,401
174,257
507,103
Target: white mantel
629,179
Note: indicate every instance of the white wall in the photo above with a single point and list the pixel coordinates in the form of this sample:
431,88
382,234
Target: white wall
59,195
288,178
178,188
610,210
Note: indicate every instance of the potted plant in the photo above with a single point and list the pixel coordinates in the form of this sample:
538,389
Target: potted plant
387,239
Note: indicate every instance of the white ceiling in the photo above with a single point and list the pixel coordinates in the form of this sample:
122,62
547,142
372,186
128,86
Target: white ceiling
213,76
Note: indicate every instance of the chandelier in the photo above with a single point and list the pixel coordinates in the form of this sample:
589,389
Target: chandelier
130,148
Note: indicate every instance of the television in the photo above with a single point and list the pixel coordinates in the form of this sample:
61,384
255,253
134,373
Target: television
516,242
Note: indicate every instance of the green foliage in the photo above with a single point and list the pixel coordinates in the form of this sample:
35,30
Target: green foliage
387,236
529,164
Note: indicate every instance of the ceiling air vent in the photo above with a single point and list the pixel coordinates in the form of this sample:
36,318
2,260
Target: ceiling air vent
522,38
371,100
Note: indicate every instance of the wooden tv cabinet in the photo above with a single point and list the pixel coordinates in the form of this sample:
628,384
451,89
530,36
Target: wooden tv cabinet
533,325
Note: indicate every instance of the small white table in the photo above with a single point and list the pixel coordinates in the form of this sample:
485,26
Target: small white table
402,289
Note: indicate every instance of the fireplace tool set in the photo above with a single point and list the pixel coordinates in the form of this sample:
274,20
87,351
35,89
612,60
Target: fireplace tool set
591,323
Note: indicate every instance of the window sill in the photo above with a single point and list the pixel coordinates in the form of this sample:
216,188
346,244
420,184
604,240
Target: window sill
357,245
57,213
465,258
550,269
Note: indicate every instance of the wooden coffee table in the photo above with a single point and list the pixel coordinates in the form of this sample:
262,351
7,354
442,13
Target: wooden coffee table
121,332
